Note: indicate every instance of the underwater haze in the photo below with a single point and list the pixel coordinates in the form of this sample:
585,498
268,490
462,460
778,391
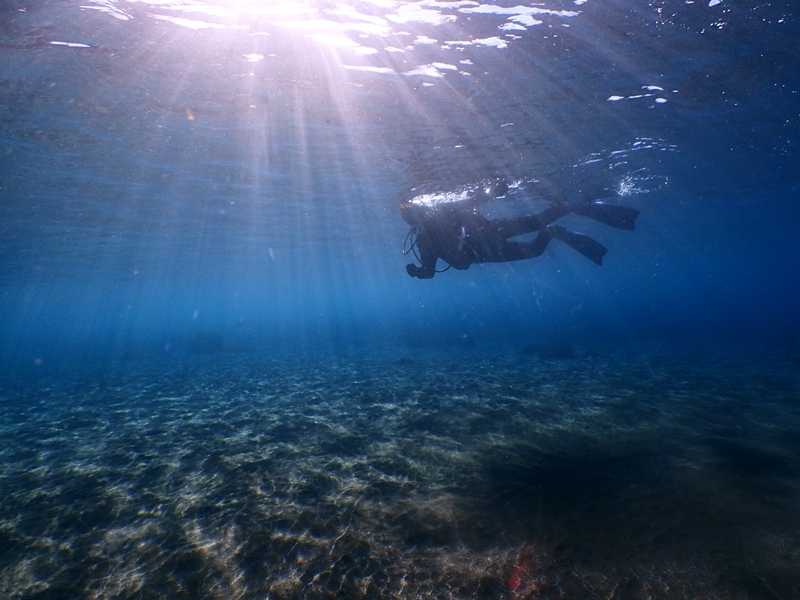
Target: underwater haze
217,379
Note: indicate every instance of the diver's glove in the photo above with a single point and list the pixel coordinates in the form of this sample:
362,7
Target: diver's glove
413,270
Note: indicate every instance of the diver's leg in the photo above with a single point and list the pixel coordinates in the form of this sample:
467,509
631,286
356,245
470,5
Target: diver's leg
590,248
523,250
621,217
514,226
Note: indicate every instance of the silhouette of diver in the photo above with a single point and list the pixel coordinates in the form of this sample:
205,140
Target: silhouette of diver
456,232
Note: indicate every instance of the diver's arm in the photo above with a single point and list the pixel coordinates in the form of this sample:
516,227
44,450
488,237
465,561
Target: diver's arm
418,272
427,257
426,271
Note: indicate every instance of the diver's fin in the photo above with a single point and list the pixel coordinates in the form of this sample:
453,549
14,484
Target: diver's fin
594,251
621,217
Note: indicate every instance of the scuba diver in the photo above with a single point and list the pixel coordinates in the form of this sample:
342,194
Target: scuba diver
453,230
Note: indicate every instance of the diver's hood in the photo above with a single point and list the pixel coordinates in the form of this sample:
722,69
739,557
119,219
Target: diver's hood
412,213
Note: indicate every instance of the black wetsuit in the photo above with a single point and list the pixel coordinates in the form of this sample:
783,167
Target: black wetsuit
459,235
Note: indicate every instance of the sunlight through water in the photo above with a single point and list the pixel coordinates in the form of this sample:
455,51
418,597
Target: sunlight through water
223,378
362,28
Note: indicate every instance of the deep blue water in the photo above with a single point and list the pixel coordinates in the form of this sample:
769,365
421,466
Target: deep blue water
217,379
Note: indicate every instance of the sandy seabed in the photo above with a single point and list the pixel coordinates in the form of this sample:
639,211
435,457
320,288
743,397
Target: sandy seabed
628,473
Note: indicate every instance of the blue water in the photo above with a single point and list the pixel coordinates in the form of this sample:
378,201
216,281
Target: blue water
218,381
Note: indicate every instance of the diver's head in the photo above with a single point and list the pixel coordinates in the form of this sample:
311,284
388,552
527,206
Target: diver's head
412,214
